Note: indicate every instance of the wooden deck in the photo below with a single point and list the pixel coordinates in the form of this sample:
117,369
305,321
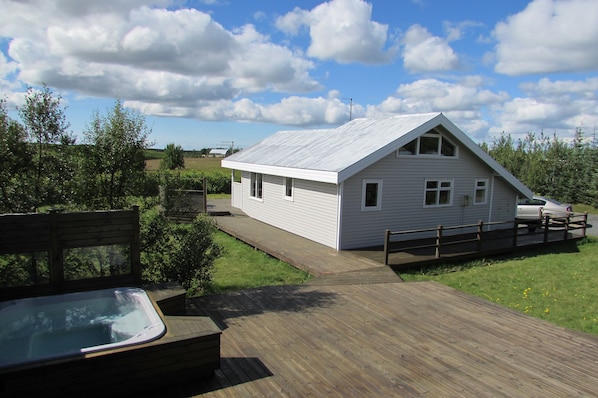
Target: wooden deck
391,339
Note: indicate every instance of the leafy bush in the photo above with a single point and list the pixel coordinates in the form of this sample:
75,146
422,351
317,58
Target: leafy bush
178,252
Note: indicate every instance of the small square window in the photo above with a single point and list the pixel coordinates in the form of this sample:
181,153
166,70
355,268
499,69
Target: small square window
371,195
481,192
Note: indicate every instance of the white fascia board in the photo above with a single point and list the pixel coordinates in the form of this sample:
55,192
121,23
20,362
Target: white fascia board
303,174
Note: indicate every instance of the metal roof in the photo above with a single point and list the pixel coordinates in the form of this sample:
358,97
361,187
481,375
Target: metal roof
333,155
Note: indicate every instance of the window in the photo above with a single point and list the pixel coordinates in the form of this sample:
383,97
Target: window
438,193
481,189
371,195
256,186
288,188
431,144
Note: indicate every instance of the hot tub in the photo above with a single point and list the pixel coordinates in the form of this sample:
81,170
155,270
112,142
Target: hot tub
43,328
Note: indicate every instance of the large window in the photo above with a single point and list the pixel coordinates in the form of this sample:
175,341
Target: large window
371,195
256,186
438,193
431,144
481,192
288,188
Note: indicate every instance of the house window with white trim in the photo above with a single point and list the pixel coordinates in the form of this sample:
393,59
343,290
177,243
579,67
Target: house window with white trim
256,186
288,188
438,193
371,195
480,196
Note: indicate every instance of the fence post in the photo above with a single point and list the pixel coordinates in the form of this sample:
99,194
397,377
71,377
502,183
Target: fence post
55,259
546,224
479,235
566,229
438,240
136,245
585,224
515,232
386,245
205,195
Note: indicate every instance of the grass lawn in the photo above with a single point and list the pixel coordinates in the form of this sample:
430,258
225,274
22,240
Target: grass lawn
243,267
559,284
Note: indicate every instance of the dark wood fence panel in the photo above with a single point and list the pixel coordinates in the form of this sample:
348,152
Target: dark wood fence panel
53,233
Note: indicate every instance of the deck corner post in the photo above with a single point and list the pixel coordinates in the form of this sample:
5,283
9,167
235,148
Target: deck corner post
386,245
479,235
438,241
546,227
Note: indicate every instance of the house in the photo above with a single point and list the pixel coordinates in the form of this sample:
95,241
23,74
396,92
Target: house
344,187
218,152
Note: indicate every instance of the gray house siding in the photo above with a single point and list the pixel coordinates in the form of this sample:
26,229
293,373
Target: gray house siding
312,213
403,187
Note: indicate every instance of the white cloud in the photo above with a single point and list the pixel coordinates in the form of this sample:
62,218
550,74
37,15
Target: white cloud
548,36
145,54
554,106
424,52
340,30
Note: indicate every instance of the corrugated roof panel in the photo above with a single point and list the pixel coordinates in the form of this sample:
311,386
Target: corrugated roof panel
331,149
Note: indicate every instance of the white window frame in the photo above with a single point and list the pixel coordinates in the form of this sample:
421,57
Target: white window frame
256,186
438,189
287,181
364,185
478,188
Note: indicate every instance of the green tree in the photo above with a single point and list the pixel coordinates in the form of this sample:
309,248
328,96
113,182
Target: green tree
16,164
173,157
113,167
46,128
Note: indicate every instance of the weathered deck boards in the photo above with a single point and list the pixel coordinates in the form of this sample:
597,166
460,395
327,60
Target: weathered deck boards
391,339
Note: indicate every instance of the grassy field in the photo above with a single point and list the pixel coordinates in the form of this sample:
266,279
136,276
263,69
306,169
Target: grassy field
558,284
204,164
243,267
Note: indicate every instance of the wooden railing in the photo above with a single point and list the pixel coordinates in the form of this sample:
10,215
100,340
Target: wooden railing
53,233
439,240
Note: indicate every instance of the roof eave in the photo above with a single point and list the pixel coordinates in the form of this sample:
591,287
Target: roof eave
331,177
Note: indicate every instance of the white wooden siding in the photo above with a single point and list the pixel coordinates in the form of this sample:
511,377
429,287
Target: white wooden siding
403,197
312,213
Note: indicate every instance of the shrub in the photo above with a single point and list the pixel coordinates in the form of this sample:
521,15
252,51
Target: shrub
178,252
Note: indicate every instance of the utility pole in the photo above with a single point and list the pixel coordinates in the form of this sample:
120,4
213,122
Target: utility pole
350,107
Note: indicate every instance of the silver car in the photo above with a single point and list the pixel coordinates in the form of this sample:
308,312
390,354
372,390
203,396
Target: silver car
536,208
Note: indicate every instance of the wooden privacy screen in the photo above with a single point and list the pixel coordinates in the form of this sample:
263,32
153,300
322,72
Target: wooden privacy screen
54,233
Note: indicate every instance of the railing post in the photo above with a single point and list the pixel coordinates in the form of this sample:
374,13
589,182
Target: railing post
386,245
136,245
546,225
585,224
55,259
438,240
566,229
515,232
479,235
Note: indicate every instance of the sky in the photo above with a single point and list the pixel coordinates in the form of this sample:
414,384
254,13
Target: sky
216,73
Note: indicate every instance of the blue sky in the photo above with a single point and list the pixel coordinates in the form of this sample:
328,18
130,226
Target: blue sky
206,73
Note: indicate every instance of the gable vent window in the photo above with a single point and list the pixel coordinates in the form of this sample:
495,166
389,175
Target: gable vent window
430,144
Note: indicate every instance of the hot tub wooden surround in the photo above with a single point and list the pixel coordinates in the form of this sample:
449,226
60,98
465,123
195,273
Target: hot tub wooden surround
189,350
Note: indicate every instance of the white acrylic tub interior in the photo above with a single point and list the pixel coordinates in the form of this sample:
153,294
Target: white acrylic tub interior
42,328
